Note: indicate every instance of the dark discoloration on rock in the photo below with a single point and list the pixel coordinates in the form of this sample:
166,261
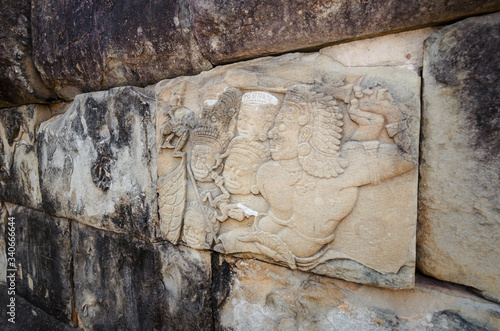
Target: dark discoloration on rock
222,277
43,260
28,316
457,238
233,30
94,45
467,60
20,82
130,284
19,165
96,164
453,321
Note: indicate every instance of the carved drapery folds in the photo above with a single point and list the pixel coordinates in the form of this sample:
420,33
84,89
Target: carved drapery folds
308,170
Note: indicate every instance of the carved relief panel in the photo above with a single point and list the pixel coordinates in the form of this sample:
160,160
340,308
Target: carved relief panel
294,160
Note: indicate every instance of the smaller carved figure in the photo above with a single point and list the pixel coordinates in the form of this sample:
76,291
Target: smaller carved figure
240,179
179,121
198,234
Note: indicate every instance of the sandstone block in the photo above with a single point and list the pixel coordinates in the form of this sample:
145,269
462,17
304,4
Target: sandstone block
93,45
296,160
398,49
231,31
43,261
20,82
125,283
269,297
458,238
96,163
19,180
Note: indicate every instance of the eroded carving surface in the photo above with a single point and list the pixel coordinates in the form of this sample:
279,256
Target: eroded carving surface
270,165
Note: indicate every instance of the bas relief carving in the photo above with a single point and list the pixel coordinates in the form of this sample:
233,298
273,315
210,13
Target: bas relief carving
271,171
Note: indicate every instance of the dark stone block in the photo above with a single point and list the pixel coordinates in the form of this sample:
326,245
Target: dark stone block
43,260
234,30
27,316
122,283
20,83
93,45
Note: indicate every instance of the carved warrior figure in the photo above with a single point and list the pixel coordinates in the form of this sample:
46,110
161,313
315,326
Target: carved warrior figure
179,120
209,141
246,153
312,181
240,179
175,130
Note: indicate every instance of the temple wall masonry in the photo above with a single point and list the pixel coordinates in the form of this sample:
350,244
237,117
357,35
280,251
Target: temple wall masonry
250,165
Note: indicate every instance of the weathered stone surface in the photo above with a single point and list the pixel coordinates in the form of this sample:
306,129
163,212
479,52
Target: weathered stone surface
297,160
28,316
20,82
235,30
269,297
459,233
128,284
43,261
93,45
96,163
397,49
19,180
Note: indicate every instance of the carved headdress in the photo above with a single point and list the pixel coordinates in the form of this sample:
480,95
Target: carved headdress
321,132
253,150
219,110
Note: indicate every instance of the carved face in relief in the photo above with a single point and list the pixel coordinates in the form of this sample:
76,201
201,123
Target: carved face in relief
239,173
250,122
194,233
202,160
284,135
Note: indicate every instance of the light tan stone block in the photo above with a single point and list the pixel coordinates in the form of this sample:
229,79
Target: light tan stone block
398,49
296,160
269,297
459,194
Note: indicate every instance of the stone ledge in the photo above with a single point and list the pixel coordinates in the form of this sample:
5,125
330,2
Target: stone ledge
232,31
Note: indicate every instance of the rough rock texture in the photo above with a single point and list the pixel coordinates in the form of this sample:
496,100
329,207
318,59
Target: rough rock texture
28,317
133,285
94,45
96,165
20,82
458,238
43,261
19,180
234,30
268,297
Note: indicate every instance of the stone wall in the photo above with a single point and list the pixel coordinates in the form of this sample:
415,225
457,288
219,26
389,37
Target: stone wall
161,171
